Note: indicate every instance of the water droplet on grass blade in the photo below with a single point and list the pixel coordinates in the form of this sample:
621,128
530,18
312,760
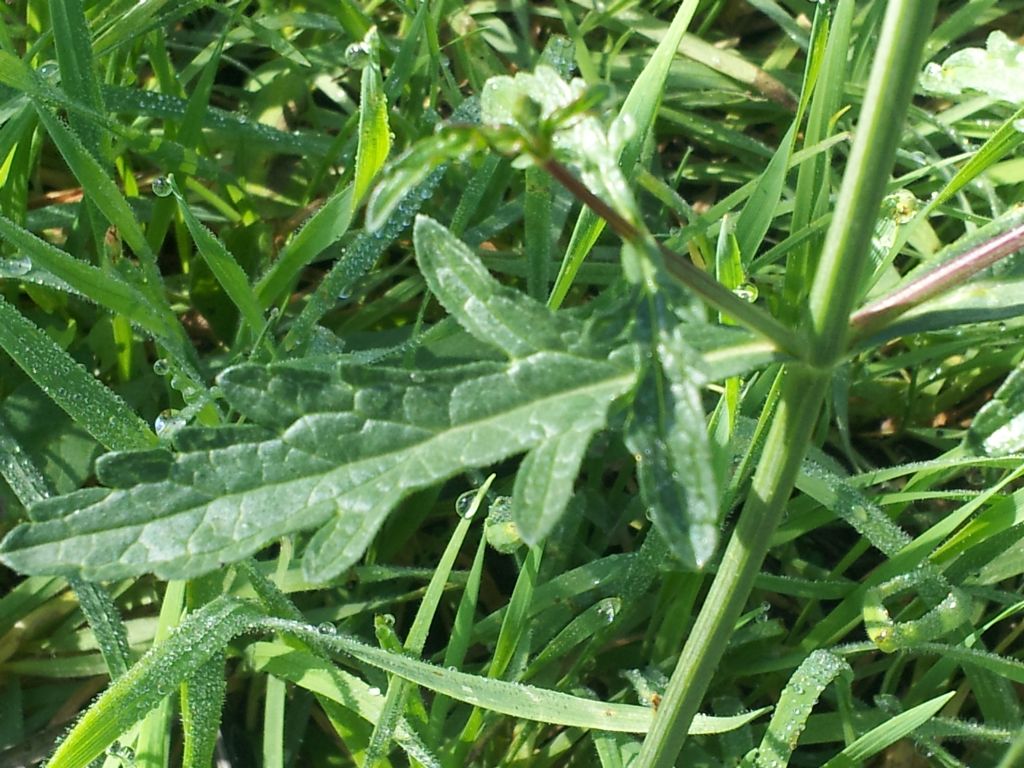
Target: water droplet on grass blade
357,55
464,504
326,628
48,70
15,267
161,367
162,186
746,291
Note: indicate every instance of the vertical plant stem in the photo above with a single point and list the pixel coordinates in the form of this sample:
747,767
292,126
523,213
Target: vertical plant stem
833,294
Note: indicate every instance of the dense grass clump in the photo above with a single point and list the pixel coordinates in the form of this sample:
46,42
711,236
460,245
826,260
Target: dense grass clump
440,384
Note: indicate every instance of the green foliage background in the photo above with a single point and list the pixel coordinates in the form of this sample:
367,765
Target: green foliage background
302,467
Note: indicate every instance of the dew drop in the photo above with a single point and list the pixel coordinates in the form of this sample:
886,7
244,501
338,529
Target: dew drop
48,70
326,628
357,55
161,367
746,291
464,504
15,267
374,691
162,186
168,422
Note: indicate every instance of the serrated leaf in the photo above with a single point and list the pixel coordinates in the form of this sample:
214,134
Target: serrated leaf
493,313
339,463
998,429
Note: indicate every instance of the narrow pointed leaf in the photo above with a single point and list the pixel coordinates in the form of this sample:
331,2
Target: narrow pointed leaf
202,698
527,702
894,729
374,131
97,409
105,288
99,188
73,43
224,266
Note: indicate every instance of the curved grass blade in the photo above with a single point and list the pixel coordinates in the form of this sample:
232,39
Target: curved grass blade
96,408
516,700
795,705
398,689
199,638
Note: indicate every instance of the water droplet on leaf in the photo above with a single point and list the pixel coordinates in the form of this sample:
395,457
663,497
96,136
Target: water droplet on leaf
161,367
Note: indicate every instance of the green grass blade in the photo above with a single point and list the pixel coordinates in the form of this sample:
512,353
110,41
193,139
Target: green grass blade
641,106
105,288
224,267
398,689
507,698
273,723
795,704
73,42
103,192
106,623
324,227
374,130
461,637
193,644
877,739
202,698
357,260
92,405
154,730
